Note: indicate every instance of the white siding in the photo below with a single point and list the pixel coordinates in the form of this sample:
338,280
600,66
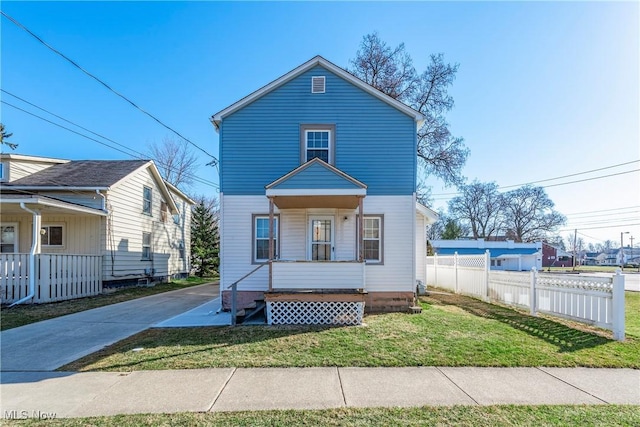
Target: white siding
81,233
396,274
235,242
318,275
19,168
421,248
122,236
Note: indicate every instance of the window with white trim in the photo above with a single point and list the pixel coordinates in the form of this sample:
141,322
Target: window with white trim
317,140
146,246
52,235
261,238
147,200
373,239
8,238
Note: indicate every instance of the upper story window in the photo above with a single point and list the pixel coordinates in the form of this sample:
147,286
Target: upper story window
147,200
4,175
317,141
52,235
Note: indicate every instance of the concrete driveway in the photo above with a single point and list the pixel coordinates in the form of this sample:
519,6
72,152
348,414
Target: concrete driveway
48,345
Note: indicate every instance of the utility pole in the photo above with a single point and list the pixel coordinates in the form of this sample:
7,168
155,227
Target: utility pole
575,242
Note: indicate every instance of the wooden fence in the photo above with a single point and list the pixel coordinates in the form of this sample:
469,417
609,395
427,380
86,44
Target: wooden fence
59,277
593,300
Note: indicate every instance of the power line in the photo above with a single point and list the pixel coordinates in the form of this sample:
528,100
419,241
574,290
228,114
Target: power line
141,155
603,210
560,177
197,179
75,64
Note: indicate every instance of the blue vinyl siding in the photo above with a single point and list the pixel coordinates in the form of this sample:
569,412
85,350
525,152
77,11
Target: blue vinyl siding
316,176
375,143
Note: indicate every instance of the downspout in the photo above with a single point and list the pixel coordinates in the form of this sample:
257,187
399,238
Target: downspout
32,255
104,200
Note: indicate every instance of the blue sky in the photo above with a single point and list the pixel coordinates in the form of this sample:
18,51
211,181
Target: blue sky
544,89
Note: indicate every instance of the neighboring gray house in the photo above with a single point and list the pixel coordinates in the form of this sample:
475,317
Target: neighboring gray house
318,185
87,224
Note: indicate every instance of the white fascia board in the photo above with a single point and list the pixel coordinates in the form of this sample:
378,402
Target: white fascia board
430,214
318,60
316,192
45,201
52,188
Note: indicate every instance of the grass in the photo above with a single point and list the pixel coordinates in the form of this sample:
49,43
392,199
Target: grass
471,416
452,330
26,314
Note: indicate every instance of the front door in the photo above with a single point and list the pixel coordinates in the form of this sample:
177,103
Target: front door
321,238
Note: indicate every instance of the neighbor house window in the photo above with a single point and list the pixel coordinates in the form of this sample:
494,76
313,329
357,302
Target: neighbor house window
261,238
317,141
3,172
147,200
52,235
164,211
372,239
146,245
8,237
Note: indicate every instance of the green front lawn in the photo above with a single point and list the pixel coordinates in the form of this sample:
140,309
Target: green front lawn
469,416
452,330
30,313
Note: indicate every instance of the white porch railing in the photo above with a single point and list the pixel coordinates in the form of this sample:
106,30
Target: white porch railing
318,275
59,277
593,300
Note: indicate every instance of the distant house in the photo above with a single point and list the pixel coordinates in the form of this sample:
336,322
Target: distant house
116,221
318,185
504,255
555,257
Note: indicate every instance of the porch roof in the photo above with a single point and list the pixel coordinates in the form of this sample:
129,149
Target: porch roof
11,205
316,184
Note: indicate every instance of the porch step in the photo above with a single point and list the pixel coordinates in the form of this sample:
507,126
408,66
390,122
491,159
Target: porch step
255,311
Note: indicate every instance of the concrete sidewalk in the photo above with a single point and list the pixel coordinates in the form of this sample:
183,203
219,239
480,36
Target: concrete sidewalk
69,394
47,345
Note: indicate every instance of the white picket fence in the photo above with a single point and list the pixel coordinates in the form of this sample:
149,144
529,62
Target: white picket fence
59,277
593,300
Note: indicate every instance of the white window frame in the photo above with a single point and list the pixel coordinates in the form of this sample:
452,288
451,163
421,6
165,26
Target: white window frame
307,148
16,237
318,127
147,204
255,238
380,239
48,227
149,256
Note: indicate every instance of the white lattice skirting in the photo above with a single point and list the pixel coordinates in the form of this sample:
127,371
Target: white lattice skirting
314,313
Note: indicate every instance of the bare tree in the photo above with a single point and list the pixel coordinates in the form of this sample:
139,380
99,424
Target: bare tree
175,160
481,207
529,214
391,71
4,135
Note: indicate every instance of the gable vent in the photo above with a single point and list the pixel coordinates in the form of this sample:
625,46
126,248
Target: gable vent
317,84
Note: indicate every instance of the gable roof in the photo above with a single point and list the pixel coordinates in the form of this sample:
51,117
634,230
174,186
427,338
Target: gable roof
316,173
317,60
81,173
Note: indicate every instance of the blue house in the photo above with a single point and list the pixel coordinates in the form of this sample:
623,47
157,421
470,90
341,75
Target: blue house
318,198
